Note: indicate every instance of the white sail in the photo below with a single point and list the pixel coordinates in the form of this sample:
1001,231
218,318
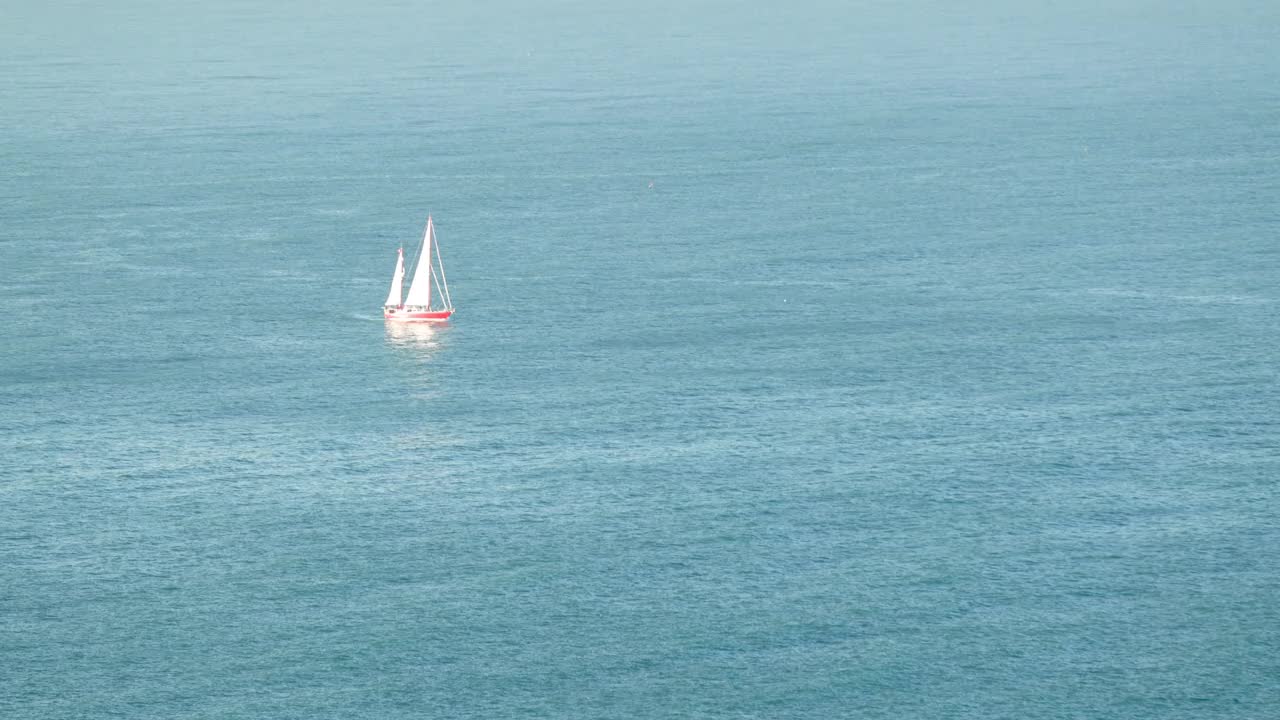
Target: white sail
397,282
420,289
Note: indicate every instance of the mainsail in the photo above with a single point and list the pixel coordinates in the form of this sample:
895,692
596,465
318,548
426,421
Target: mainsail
397,282
420,288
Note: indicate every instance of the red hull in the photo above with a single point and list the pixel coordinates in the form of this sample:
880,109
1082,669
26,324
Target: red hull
419,316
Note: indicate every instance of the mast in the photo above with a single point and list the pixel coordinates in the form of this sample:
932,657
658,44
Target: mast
397,282
420,289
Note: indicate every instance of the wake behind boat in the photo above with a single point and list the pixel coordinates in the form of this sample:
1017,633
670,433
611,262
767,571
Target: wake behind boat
417,306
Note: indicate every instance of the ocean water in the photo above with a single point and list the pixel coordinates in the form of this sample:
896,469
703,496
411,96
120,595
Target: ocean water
868,360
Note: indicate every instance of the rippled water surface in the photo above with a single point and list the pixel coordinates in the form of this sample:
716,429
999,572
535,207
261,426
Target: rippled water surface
849,360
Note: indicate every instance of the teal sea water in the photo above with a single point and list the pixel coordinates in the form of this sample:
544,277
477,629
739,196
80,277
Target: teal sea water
935,375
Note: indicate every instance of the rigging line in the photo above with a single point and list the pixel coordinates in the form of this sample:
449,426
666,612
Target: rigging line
448,301
436,281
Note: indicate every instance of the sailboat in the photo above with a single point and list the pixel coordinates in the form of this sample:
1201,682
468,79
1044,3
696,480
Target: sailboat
417,305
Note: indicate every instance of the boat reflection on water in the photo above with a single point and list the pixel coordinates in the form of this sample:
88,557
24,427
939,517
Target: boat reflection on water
422,338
